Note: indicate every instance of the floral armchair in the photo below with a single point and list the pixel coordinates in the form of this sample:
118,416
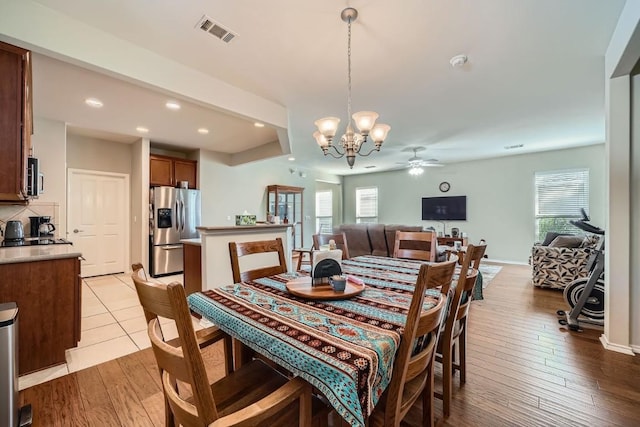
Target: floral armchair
557,265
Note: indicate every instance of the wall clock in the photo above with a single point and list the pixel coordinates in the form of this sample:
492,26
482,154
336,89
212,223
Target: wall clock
444,186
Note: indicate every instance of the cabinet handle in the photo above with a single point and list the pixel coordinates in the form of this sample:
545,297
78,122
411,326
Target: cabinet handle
75,230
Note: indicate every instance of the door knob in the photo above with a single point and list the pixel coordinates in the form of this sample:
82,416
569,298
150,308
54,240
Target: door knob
75,230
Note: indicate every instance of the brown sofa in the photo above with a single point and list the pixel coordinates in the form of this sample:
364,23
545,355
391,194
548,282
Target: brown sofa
375,239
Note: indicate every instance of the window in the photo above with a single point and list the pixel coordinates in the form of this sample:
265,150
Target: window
324,212
367,205
559,197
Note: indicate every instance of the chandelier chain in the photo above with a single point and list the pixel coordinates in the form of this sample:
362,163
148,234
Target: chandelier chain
349,72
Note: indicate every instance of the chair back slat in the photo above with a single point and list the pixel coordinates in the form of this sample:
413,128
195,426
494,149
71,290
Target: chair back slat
472,253
193,362
409,360
467,294
154,300
240,249
340,239
418,245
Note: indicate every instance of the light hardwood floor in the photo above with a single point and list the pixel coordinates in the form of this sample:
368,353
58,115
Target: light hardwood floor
523,370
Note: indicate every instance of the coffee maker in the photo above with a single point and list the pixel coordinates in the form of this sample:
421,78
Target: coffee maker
41,226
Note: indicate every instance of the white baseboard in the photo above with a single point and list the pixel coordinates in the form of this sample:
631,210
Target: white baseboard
499,261
636,348
616,347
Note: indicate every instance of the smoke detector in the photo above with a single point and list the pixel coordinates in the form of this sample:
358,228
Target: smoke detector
208,25
458,61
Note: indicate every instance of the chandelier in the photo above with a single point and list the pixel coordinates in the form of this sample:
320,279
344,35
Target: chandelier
365,121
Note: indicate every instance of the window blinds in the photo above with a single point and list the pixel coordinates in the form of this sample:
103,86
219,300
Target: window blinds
324,211
367,204
561,193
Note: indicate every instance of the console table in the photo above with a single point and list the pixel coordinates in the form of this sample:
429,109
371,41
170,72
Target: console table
450,241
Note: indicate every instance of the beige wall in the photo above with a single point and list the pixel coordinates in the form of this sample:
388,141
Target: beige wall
139,218
500,196
49,146
96,154
622,307
227,191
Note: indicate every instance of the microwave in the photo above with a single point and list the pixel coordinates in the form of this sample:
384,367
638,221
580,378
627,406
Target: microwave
35,179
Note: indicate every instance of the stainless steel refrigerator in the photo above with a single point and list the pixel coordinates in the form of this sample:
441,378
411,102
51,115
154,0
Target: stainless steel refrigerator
174,215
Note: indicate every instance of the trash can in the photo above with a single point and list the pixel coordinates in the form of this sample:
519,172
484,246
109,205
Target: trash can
10,414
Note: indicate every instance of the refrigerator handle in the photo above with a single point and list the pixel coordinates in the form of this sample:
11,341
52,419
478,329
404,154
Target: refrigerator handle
184,215
177,216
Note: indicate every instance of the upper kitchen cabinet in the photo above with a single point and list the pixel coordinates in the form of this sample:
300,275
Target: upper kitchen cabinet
16,121
169,171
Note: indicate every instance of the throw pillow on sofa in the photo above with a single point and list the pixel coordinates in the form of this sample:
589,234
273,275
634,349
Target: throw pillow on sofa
566,242
551,236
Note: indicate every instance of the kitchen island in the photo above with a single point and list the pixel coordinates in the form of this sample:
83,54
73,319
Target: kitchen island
216,262
44,281
192,265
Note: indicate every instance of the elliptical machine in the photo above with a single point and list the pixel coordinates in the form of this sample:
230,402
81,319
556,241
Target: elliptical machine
585,295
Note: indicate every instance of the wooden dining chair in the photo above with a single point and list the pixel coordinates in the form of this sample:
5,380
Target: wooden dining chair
452,339
252,395
340,239
155,302
412,376
418,245
241,249
153,306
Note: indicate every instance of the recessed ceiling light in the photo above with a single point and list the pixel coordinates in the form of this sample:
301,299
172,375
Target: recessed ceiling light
142,129
172,105
258,125
291,159
93,102
203,131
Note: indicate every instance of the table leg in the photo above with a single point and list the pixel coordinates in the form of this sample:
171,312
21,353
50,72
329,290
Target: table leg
241,354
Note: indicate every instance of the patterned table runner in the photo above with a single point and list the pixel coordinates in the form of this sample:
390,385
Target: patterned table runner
344,348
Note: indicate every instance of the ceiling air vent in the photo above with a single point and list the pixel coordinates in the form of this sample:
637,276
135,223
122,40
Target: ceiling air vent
208,25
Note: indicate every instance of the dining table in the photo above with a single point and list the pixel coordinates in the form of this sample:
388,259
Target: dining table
345,348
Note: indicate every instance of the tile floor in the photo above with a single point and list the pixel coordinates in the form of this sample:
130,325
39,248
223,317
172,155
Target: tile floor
113,325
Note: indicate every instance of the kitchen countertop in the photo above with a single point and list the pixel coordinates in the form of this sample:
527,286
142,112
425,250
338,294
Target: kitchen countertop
242,227
195,242
9,255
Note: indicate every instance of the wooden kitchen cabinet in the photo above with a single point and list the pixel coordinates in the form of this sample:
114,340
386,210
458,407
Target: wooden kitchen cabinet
169,171
16,121
48,295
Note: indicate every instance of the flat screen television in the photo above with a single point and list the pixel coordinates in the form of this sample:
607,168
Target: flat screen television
452,208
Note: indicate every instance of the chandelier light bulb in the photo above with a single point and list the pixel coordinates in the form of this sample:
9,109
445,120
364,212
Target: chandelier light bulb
320,139
365,120
415,171
328,126
379,132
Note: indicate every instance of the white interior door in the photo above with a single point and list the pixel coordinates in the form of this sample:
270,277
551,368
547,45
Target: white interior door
97,220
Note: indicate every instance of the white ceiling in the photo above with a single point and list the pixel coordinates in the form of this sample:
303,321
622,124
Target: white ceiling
535,74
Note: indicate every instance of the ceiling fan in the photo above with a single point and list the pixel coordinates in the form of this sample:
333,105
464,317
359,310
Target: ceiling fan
416,164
